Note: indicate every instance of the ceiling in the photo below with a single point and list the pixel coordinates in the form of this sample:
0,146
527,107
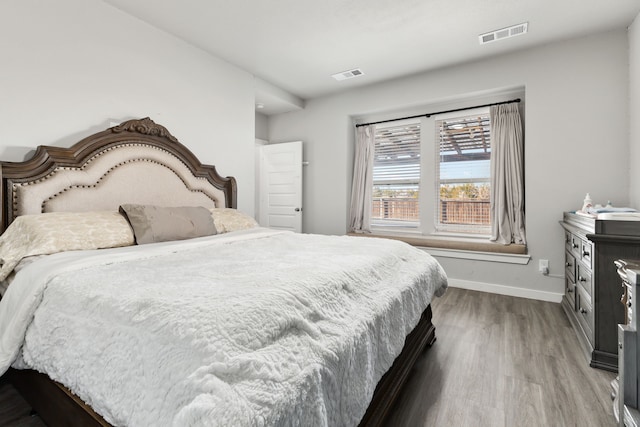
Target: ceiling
296,45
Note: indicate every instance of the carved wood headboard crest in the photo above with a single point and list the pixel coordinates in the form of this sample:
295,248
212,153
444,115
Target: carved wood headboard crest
137,161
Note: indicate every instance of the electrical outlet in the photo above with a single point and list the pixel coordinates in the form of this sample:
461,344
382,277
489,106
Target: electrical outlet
543,266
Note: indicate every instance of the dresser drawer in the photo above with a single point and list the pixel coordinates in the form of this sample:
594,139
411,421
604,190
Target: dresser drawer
584,280
586,251
627,301
570,292
567,241
584,313
570,265
572,244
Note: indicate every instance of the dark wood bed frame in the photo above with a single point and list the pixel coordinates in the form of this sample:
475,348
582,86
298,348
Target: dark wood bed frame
53,402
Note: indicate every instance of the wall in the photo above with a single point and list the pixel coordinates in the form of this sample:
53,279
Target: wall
576,137
70,67
262,127
634,112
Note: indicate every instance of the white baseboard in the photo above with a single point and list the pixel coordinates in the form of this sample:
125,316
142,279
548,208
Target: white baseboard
506,290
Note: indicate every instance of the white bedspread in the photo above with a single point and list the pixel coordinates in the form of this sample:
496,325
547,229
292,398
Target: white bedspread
239,329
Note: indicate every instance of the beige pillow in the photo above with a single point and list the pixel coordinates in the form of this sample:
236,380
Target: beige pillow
159,224
49,233
227,220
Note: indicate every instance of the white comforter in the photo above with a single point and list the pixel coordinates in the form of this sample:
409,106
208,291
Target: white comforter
239,329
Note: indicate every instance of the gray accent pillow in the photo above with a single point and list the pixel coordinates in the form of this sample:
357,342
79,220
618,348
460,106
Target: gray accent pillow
159,224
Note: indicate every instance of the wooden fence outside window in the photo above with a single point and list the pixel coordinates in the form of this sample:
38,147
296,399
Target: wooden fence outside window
452,211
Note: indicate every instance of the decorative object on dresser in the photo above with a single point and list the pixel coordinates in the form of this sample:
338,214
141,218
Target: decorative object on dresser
625,388
592,294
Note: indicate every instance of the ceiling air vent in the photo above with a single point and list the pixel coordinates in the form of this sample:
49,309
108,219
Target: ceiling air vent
503,33
344,75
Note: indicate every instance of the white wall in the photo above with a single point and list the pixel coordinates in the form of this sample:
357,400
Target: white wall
262,127
70,66
576,139
634,112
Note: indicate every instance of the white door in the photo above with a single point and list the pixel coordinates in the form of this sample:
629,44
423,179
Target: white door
281,186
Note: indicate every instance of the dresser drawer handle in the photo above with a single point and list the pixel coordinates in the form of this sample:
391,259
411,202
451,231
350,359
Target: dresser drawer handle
583,311
585,254
582,279
569,290
568,264
574,245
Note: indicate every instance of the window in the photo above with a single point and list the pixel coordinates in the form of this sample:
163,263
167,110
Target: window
447,188
463,174
396,175
433,178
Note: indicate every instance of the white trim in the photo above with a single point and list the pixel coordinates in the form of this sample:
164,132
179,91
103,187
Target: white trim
469,236
506,290
521,259
400,231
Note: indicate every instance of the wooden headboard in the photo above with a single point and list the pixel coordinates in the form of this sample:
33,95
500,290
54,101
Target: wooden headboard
137,161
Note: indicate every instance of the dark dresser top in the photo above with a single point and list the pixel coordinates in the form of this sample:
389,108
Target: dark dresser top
603,226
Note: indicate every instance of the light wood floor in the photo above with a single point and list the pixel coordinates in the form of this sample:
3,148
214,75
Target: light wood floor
498,361
503,361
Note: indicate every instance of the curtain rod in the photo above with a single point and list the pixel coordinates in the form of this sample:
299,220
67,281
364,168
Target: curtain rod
439,112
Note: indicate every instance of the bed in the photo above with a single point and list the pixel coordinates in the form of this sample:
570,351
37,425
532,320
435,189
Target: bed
237,326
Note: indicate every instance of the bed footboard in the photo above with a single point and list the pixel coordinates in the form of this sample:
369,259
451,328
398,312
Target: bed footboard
57,406
390,385
53,402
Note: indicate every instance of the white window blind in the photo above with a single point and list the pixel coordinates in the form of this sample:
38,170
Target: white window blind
463,174
396,175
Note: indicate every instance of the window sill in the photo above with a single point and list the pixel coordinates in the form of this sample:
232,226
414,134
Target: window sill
464,248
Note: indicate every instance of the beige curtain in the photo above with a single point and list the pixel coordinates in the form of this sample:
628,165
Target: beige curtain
507,182
362,185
